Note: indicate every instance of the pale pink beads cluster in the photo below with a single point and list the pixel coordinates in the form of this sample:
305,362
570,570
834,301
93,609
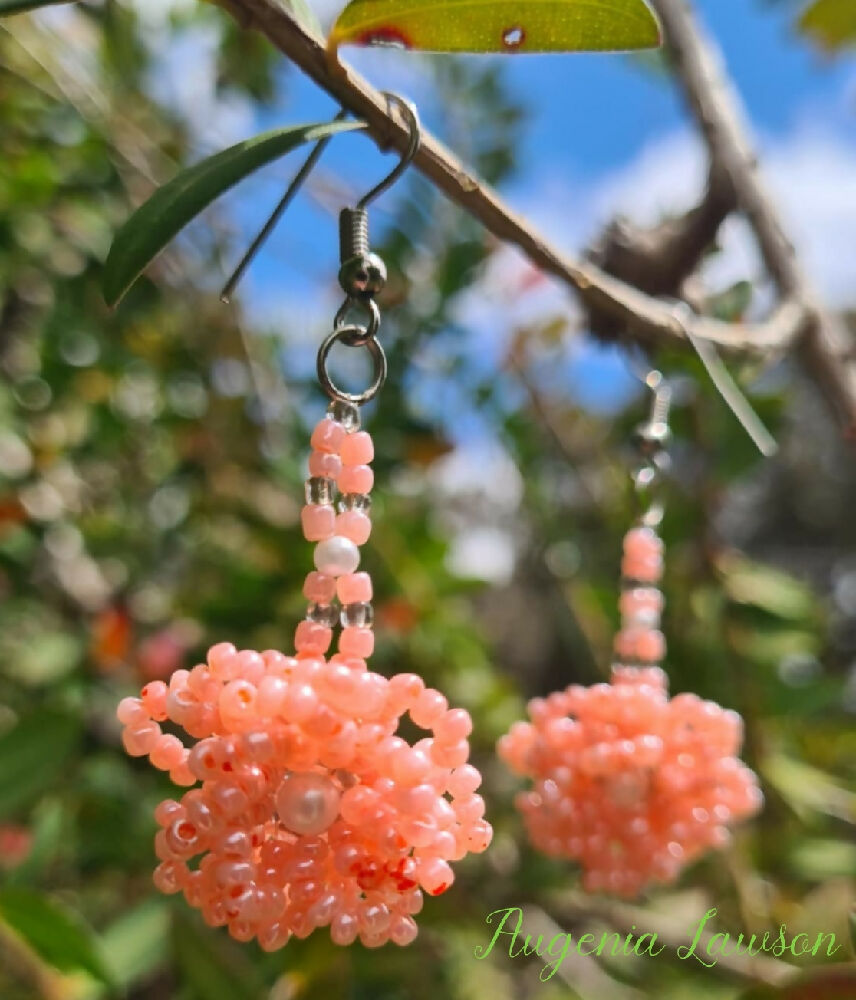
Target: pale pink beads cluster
629,783
311,811
338,464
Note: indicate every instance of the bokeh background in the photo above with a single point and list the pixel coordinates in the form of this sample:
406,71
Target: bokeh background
151,467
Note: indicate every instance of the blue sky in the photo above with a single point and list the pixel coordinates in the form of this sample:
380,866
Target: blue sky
604,135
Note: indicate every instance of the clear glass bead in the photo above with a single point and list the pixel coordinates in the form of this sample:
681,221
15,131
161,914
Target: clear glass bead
320,490
360,615
323,614
345,414
355,501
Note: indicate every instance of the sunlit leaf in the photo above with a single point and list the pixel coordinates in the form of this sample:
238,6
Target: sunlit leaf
138,942
56,934
832,23
33,755
768,588
180,200
491,26
20,6
820,859
805,787
299,9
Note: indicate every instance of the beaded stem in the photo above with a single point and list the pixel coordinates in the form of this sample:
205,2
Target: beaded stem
336,517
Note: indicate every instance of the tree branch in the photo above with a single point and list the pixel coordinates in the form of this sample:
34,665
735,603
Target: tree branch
827,347
658,260
641,316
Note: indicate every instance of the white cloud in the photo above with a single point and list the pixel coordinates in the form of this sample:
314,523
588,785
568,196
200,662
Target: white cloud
810,173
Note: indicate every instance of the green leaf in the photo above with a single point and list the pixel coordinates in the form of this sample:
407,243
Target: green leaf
33,755
180,200
56,934
210,965
304,14
832,23
300,10
808,788
498,25
138,942
20,6
774,591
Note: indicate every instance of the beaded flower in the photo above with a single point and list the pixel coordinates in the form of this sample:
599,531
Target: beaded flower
631,784
310,811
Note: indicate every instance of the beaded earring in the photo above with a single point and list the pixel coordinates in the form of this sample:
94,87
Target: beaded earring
629,783
311,811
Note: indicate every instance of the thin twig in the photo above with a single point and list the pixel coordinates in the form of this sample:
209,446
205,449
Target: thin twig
645,317
827,348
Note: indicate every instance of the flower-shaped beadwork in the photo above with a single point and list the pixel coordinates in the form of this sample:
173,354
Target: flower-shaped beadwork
631,784
311,811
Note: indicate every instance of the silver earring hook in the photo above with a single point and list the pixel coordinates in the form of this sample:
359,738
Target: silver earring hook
300,178
411,116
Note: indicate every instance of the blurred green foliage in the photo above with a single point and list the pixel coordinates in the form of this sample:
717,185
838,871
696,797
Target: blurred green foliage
151,462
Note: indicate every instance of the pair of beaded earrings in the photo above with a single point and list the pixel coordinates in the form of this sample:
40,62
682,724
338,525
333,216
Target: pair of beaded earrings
310,811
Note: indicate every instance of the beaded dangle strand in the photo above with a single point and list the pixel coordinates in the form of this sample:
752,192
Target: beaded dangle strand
310,810
629,783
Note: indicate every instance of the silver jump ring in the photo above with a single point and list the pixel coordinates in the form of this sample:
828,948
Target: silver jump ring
352,336
357,338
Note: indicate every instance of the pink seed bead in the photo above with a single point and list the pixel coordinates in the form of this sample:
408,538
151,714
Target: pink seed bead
131,712
324,464
328,436
642,543
271,694
644,644
344,929
141,740
648,570
463,781
220,656
238,701
479,836
435,876
455,725
353,524
319,588
318,521
167,753
450,754
403,931
641,603
354,588
356,479
357,642
312,638
429,707
169,876
167,812
154,698
300,703
370,695
357,449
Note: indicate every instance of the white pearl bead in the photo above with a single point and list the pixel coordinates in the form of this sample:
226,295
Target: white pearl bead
336,556
307,803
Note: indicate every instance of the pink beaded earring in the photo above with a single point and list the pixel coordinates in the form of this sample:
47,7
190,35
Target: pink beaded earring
629,783
311,811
